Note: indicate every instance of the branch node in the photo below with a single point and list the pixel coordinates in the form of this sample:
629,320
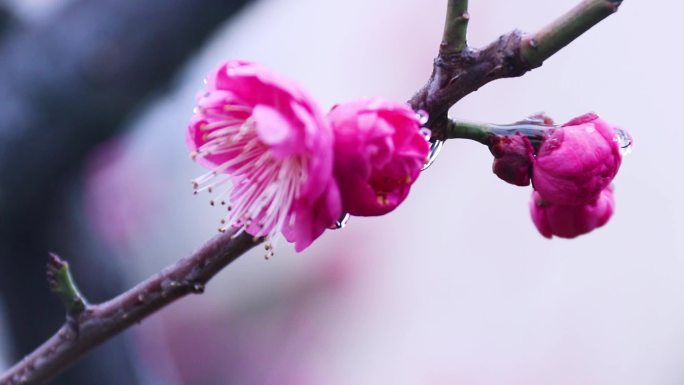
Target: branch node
509,48
62,283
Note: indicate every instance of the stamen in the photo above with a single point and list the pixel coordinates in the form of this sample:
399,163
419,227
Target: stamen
264,188
235,107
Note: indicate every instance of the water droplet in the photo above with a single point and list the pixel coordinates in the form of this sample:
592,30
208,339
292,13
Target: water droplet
341,222
423,117
198,288
624,141
426,133
435,149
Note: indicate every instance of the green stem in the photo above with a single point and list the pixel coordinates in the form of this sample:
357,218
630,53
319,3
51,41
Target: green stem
484,132
540,46
479,132
62,283
455,27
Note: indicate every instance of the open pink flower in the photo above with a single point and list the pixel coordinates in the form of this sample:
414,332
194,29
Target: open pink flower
268,139
512,158
571,221
379,152
577,161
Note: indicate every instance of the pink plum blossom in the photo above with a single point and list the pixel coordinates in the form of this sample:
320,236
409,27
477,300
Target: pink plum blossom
576,161
512,158
571,221
379,152
266,138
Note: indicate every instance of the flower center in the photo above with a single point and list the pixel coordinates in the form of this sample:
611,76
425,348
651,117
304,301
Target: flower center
262,188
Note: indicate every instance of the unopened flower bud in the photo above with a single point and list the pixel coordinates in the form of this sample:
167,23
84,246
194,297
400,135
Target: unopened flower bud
512,158
571,221
577,161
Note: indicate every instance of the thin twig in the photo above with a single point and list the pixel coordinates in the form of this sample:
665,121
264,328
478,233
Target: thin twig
98,323
540,46
458,74
455,27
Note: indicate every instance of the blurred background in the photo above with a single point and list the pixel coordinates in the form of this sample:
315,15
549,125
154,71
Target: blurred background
454,287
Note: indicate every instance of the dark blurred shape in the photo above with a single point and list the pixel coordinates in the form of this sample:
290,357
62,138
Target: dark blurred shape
66,85
6,18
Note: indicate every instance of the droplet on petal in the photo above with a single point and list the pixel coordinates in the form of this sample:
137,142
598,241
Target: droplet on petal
624,141
341,222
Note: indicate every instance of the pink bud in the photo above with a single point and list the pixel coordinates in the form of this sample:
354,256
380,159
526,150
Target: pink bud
512,158
577,161
270,152
379,152
571,221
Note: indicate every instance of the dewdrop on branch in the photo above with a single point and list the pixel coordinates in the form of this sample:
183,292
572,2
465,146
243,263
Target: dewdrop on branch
435,144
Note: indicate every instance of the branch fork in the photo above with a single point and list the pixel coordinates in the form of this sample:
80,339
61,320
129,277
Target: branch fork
460,70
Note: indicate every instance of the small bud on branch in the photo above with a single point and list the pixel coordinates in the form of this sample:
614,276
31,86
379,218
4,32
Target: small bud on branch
62,283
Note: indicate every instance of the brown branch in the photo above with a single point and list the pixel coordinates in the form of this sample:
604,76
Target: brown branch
98,323
459,73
